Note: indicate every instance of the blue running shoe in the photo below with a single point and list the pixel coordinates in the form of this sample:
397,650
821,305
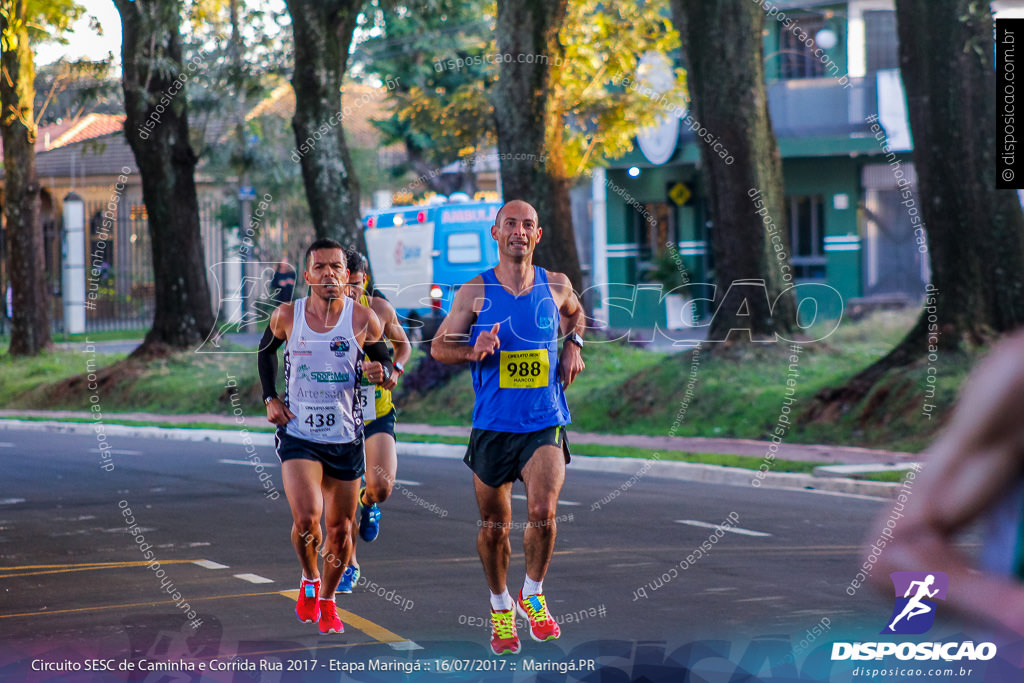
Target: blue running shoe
348,579
369,520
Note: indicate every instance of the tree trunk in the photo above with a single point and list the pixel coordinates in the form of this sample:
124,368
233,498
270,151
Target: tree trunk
30,326
723,45
323,32
975,232
156,126
530,127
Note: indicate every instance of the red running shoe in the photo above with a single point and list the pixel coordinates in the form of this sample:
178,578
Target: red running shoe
329,621
306,608
542,625
504,639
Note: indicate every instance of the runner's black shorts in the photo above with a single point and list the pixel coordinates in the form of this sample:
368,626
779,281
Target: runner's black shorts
499,457
385,424
343,461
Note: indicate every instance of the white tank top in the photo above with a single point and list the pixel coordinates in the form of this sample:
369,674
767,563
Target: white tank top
322,371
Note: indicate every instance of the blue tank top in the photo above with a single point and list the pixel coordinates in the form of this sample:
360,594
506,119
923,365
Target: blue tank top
517,389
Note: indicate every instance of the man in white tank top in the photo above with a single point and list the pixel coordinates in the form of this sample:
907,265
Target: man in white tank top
320,427
974,471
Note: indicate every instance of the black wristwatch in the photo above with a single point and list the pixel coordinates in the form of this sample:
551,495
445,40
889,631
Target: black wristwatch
576,339
268,399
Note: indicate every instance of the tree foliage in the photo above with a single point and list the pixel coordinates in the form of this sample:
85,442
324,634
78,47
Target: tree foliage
446,57
22,23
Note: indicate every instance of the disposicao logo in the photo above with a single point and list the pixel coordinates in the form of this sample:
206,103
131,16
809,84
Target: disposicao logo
917,594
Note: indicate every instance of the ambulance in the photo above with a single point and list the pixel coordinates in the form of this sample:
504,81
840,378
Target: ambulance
421,255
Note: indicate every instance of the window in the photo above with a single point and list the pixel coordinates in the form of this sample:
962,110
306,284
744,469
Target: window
805,216
882,43
796,58
464,247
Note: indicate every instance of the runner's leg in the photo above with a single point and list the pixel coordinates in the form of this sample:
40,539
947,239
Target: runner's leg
340,499
302,489
543,475
492,543
381,469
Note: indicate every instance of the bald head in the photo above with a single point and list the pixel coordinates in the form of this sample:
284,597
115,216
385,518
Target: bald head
519,208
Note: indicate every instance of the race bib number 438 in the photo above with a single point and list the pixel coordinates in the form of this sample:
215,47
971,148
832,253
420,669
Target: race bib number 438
524,369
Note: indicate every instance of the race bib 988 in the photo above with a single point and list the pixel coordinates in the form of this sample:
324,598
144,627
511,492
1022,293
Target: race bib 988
524,369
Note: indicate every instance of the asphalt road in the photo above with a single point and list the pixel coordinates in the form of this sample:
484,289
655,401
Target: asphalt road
76,586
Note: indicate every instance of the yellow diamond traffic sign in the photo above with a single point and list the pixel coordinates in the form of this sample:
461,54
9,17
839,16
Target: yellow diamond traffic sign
679,193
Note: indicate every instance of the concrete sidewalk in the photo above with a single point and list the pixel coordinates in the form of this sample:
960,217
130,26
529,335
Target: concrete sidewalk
828,477
825,455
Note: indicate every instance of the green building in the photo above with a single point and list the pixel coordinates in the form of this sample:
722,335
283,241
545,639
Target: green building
839,113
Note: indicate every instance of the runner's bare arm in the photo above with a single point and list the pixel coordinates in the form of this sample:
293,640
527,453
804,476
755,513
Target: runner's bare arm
978,459
394,331
449,344
573,321
278,331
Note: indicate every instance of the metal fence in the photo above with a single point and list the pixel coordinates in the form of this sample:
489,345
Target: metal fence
122,282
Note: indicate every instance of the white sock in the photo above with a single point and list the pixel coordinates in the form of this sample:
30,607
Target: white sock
330,599
531,587
501,602
305,580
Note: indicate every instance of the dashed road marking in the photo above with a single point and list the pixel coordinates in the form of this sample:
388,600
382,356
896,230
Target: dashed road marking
116,451
209,564
253,578
519,496
730,529
11,501
228,461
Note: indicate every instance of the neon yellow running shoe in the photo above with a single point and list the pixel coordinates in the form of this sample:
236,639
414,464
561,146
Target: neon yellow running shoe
504,639
542,625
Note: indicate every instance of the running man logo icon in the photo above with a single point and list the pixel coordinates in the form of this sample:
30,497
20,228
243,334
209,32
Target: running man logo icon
916,596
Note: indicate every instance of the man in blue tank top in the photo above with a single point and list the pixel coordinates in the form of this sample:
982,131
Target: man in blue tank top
974,472
507,323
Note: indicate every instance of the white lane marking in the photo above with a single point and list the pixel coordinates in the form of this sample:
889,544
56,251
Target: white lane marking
208,564
844,494
117,451
248,462
11,501
253,578
122,529
519,496
6,444
407,482
404,645
730,529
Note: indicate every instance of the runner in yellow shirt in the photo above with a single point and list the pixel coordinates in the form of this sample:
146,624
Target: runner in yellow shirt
378,415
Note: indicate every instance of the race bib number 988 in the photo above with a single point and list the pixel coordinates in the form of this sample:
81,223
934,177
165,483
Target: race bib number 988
524,369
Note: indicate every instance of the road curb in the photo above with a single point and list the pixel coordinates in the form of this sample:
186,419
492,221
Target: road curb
634,467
